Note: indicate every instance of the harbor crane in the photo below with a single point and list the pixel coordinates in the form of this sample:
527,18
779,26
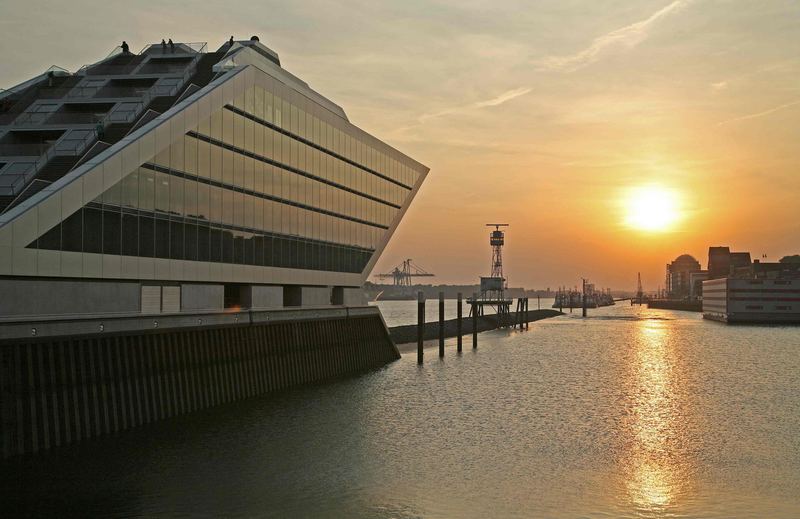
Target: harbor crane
640,297
403,273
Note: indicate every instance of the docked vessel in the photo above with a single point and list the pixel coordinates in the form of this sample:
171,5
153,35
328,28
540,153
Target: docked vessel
574,298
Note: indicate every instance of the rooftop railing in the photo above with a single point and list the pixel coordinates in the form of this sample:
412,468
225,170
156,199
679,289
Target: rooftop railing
179,48
108,70
54,70
23,150
17,176
75,118
115,92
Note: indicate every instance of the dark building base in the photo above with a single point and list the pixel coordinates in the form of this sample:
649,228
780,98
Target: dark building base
57,390
755,318
667,304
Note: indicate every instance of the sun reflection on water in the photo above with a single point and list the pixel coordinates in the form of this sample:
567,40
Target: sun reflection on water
654,474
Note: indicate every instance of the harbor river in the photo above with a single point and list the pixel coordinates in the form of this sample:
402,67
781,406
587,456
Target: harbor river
628,413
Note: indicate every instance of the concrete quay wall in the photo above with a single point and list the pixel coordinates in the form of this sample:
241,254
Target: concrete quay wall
687,306
57,390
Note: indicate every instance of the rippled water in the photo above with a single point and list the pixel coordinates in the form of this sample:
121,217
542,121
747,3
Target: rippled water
630,413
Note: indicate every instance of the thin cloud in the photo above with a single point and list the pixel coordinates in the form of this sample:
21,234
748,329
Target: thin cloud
626,37
760,114
719,86
495,101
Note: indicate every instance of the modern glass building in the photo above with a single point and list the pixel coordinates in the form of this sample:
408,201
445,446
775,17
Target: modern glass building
179,180
180,229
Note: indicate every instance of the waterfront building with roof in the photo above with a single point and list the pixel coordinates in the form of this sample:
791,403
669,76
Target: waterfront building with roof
162,202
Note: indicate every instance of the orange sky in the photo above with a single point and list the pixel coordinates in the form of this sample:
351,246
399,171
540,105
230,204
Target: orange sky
542,115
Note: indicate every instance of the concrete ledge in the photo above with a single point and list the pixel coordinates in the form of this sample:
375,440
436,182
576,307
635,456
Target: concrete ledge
686,306
79,326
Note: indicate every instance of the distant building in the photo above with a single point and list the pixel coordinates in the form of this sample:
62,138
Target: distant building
756,293
696,283
678,280
740,259
764,270
721,261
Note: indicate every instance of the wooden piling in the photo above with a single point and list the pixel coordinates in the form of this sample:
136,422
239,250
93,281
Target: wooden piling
474,320
441,325
420,326
583,300
458,322
527,313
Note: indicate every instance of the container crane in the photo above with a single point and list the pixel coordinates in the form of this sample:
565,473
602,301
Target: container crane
403,273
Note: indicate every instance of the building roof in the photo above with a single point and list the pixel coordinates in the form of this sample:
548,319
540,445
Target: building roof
56,121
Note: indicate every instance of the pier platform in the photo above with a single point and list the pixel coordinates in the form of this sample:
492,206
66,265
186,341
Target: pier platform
408,333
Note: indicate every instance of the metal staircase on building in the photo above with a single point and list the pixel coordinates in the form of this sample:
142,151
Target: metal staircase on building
5,201
60,165
116,131
57,167
30,190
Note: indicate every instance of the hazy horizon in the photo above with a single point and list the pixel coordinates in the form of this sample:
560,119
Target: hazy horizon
545,117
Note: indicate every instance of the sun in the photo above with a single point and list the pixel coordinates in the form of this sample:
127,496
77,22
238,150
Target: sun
652,208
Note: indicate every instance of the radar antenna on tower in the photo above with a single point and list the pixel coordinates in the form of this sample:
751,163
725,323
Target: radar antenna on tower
497,239
494,286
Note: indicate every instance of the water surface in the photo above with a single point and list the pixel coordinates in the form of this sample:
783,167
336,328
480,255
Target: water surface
629,413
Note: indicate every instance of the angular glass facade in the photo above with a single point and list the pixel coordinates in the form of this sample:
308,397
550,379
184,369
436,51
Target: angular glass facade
271,178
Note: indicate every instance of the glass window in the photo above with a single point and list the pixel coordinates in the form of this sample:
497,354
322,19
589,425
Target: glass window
176,150
162,237
190,198
162,192
112,227
203,242
176,191
72,232
215,244
238,209
130,190
130,234
146,237
190,241
92,230
227,246
203,202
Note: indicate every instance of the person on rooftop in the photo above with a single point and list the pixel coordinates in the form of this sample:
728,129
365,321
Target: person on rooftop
171,46
163,46
230,42
125,48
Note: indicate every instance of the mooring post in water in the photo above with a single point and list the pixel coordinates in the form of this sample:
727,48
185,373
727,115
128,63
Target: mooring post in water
441,324
583,313
458,322
474,320
527,314
420,326
539,302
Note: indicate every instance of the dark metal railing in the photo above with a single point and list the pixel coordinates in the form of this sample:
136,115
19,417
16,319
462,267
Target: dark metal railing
23,150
